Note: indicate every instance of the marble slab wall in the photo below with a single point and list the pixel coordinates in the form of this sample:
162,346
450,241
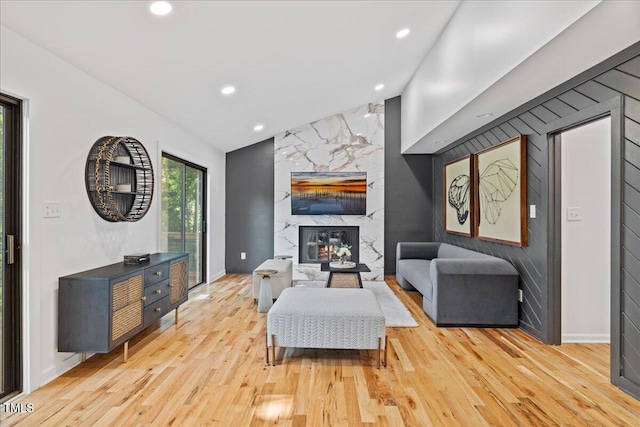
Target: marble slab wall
349,142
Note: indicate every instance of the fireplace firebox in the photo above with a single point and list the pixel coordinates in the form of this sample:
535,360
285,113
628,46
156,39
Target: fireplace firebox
318,243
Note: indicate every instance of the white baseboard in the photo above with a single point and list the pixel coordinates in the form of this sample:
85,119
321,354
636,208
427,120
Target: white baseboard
586,338
217,275
54,372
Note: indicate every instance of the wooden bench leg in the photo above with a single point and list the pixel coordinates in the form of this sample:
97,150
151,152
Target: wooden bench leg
386,345
266,346
273,350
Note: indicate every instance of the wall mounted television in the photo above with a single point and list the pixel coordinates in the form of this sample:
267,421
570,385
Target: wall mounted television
328,193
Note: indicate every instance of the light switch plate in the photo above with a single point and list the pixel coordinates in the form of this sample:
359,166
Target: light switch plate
574,213
51,209
243,255
532,211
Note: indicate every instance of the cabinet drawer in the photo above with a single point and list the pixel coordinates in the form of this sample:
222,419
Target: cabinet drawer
154,292
155,311
156,274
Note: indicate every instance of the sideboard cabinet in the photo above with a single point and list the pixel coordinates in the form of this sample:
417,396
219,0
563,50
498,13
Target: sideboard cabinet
103,308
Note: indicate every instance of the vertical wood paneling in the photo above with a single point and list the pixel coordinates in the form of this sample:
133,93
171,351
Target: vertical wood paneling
531,261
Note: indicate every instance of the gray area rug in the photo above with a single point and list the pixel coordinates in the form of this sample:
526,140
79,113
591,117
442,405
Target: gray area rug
396,315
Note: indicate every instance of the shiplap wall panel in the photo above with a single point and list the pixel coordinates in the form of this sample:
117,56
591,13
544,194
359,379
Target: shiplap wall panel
621,82
632,288
632,219
596,91
631,197
559,107
631,67
576,100
531,261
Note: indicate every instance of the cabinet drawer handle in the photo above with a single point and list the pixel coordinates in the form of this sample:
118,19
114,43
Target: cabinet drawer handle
158,291
158,309
171,285
143,298
158,273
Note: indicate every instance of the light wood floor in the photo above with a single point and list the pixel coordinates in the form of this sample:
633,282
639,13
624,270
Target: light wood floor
210,370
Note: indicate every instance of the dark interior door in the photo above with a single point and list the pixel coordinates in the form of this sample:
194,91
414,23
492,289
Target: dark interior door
10,329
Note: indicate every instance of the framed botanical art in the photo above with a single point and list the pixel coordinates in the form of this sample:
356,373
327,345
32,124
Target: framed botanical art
501,192
458,196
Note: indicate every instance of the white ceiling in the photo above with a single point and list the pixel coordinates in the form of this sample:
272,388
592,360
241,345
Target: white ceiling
292,62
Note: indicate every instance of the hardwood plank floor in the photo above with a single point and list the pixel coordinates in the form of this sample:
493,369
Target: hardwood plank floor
210,370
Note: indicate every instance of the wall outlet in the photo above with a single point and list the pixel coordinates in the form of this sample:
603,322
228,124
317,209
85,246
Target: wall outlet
520,295
51,209
243,255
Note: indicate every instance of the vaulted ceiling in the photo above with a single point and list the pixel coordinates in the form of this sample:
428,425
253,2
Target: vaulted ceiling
291,62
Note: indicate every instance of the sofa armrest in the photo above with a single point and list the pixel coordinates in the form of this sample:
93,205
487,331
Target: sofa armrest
474,292
417,250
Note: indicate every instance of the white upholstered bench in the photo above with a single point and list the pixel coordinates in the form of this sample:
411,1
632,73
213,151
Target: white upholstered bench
326,318
279,281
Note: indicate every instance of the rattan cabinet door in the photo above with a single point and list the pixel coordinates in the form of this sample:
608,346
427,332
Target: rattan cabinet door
126,305
179,285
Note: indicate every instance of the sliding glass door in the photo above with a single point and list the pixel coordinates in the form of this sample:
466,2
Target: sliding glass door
10,329
184,212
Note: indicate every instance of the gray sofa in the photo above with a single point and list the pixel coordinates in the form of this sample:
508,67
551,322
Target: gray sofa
459,287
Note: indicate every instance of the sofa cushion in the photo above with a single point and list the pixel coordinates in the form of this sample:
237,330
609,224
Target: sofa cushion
416,272
451,251
283,267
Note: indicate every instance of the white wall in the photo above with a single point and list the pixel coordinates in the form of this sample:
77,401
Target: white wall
586,240
68,111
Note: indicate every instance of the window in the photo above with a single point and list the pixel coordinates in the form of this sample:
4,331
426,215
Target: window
183,216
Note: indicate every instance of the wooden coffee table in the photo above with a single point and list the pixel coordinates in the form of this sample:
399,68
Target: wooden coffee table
344,277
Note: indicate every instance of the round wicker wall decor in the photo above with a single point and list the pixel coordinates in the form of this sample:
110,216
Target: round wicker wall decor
119,178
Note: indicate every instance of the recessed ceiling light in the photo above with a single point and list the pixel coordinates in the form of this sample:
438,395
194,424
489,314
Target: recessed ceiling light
481,116
228,90
258,128
403,33
160,8
379,87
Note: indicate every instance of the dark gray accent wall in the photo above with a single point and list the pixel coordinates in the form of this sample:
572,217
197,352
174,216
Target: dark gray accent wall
408,190
249,177
619,75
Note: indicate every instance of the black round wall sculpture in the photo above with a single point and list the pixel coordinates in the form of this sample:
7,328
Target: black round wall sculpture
119,178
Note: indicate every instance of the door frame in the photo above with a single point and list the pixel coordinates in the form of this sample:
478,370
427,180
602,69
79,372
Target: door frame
13,223
205,198
613,108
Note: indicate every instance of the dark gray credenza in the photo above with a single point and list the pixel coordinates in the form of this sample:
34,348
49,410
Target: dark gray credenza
103,308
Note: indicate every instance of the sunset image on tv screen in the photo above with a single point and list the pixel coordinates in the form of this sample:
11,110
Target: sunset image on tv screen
328,193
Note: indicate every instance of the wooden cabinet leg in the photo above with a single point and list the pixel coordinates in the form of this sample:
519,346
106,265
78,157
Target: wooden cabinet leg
126,351
84,356
177,315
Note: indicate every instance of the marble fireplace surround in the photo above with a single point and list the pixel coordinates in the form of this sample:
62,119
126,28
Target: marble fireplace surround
347,142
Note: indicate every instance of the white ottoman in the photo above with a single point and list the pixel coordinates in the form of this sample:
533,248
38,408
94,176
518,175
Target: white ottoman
326,318
279,281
